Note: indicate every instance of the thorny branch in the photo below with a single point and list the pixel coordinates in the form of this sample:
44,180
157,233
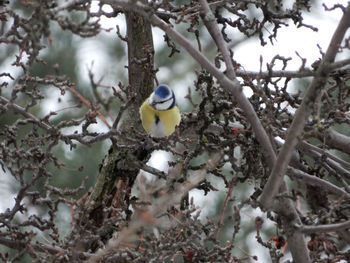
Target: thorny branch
299,252
247,133
310,101
325,228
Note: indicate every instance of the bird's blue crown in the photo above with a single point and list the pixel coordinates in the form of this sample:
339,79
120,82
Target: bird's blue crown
162,91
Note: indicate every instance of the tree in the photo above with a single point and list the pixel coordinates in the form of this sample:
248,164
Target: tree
248,143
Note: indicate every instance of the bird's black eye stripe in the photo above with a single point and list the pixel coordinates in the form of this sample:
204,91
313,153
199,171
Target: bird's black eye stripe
160,102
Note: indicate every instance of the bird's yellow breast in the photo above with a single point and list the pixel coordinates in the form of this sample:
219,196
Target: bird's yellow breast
159,123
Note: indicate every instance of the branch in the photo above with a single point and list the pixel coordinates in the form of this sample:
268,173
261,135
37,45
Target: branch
100,137
119,168
339,171
154,171
143,218
313,92
210,22
296,240
232,87
6,104
53,250
324,228
338,141
305,146
289,73
17,244
315,181
276,73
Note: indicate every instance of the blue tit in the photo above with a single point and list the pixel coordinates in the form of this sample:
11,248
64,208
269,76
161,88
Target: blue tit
159,113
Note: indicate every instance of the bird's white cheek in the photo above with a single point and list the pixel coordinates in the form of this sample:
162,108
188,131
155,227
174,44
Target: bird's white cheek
166,105
151,99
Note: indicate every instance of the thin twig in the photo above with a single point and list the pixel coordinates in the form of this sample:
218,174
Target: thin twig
121,111
221,218
89,105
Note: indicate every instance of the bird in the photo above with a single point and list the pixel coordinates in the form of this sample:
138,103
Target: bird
159,113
